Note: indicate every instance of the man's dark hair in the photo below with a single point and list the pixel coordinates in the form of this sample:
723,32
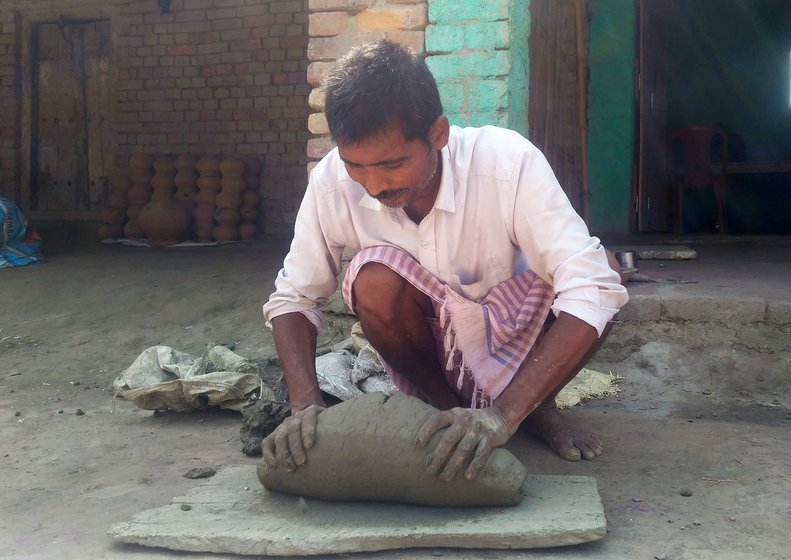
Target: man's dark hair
377,86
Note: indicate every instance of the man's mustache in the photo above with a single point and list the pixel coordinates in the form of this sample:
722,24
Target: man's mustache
393,193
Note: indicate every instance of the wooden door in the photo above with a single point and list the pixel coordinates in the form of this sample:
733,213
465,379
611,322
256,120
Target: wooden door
652,179
69,142
557,101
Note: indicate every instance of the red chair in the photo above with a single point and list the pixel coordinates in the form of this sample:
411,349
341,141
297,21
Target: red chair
698,157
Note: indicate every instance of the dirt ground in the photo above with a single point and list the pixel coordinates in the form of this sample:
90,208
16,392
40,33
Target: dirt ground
698,476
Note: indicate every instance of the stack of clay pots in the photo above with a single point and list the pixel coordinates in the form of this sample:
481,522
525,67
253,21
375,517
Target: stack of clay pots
169,200
165,220
208,168
249,210
229,201
113,217
186,181
139,193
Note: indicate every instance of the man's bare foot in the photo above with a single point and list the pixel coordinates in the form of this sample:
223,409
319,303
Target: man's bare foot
567,440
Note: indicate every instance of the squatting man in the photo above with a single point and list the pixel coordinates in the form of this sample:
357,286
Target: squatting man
473,277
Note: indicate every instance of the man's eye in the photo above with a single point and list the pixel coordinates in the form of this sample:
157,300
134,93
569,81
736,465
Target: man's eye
392,165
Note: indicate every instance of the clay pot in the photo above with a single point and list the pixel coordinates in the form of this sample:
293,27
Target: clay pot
203,233
164,166
120,182
203,214
110,231
209,183
186,197
138,177
139,194
132,230
141,162
249,215
208,165
163,182
165,222
134,211
161,194
233,184
185,163
224,233
185,180
250,199
112,215
247,232
205,197
228,200
227,216
232,166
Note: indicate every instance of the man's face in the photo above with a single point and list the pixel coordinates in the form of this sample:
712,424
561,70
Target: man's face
393,170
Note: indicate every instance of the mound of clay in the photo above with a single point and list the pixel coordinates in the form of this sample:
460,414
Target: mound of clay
365,451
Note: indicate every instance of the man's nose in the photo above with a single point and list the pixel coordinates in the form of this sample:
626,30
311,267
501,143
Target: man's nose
375,183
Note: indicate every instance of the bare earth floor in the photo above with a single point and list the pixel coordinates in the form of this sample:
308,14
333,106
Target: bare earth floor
695,476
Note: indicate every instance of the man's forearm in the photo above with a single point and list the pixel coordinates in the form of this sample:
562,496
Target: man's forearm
295,341
559,352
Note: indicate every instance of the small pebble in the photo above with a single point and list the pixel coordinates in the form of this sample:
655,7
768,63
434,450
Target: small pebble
696,523
60,411
686,492
17,413
75,383
158,413
670,521
79,412
699,416
186,507
729,519
636,500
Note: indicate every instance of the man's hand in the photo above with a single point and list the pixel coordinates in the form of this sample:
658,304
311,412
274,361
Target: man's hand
470,434
287,445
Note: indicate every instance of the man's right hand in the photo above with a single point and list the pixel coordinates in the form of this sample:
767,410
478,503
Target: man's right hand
287,446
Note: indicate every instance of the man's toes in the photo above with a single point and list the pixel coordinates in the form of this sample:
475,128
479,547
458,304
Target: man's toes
590,449
569,452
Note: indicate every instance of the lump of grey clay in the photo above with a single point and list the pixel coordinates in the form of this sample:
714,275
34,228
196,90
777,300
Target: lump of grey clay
365,451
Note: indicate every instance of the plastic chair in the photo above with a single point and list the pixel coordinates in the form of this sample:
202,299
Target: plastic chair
698,156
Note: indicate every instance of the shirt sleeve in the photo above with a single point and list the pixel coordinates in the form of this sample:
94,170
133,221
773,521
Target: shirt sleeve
310,270
558,247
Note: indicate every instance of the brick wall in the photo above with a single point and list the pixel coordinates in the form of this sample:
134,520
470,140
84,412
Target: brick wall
214,76
335,26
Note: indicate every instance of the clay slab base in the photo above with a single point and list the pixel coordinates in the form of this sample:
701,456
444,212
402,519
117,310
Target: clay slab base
233,513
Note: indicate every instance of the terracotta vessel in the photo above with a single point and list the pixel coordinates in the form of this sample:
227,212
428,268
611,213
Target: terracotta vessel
164,222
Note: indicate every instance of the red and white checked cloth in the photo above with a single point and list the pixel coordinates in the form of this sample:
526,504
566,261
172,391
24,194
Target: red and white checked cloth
481,343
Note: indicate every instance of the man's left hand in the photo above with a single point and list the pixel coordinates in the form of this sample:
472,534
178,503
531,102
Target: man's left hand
471,435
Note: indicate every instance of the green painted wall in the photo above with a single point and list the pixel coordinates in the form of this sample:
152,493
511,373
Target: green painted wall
477,51
611,112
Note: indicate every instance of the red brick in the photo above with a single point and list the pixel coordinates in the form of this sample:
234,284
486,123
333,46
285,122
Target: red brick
182,50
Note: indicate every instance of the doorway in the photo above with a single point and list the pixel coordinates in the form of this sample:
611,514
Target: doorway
70,157
721,62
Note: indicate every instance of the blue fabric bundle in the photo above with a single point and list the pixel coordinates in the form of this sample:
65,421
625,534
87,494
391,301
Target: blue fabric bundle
15,250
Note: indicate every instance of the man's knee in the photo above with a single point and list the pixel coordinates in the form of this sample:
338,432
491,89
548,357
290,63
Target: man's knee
376,290
381,292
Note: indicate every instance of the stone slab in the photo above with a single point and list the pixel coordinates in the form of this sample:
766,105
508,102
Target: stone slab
233,513
659,252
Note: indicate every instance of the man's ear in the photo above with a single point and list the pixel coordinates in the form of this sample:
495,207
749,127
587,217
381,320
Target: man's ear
439,133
